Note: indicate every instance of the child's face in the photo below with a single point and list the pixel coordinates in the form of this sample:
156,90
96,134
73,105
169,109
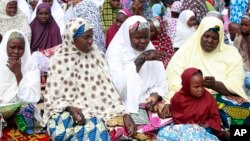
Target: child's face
191,21
114,3
245,26
233,30
137,4
196,85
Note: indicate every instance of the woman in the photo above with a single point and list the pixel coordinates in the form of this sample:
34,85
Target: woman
136,70
206,50
160,38
112,30
45,31
20,77
184,28
11,17
88,10
197,6
56,11
109,11
20,80
237,10
80,100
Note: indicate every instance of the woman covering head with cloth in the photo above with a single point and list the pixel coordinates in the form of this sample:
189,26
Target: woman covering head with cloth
206,50
45,31
136,69
79,93
56,11
11,17
141,7
109,11
20,77
88,10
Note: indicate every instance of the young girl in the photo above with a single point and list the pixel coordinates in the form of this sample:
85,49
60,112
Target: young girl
194,111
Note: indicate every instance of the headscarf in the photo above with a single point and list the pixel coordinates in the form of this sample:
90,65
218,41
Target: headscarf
187,109
28,90
80,80
133,87
19,21
108,14
229,70
197,6
56,11
176,7
99,3
183,31
88,10
114,28
24,7
163,41
44,36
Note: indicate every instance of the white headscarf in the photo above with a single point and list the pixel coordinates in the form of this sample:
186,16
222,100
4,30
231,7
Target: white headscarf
28,89
183,31
19,21
56,11
133,87
24,6
99,3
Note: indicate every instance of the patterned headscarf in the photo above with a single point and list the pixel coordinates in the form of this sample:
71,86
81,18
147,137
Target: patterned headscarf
16,35
176,7
138,26
80,79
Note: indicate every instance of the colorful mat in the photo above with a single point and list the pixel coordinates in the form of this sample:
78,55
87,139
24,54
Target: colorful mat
12,134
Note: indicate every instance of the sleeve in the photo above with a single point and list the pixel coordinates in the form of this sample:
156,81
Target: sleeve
29,89
125,78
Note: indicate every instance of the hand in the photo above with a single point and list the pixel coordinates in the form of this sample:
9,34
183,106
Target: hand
209,82
14,65
152,101
152,55
165,112
129,125
77,114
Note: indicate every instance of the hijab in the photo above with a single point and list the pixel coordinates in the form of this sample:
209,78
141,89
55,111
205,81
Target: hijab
183,31
47,35
25,8
230,70
186,108
29,87
80,79
19,21
56,11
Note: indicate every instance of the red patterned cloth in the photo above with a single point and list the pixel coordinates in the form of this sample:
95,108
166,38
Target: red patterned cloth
163,43
12,134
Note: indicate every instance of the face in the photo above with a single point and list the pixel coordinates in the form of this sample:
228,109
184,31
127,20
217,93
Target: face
15,48
43,15
196,85
120,18
33,4
245,26
153,31
50,2
114,3
11,8
209,41
233,30
137,5
84,42
140,39
191,21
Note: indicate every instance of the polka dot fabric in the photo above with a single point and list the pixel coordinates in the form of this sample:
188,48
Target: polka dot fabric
81,80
